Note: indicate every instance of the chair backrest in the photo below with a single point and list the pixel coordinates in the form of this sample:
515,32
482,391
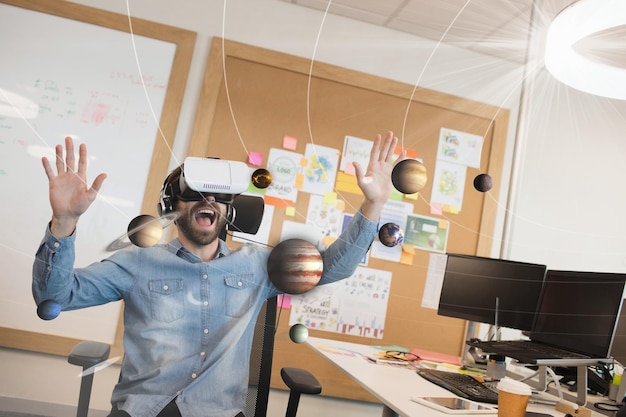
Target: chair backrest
261,360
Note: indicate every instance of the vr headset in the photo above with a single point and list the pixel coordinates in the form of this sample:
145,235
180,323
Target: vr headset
200,178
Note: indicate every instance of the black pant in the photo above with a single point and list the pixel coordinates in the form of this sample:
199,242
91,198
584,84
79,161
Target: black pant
170,410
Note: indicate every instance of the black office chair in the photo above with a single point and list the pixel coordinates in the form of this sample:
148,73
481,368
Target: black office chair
249,212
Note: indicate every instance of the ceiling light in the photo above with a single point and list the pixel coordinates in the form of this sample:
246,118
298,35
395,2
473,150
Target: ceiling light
583,21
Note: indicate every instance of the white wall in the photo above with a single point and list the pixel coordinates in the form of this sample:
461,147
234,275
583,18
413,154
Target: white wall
569,201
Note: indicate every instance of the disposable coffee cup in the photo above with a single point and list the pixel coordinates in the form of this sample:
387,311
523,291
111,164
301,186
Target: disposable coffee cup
512,398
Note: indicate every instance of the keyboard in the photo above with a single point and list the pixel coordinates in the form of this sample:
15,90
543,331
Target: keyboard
462,385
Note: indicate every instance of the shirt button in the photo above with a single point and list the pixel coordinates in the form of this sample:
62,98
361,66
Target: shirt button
48,268
57,244
194,375
178,392
166,287
202,353
206,303
206,331
239,284
205,276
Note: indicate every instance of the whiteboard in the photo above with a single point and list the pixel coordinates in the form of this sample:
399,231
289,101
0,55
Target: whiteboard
104,87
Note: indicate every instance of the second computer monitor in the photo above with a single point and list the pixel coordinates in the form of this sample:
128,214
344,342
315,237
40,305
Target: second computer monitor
492,291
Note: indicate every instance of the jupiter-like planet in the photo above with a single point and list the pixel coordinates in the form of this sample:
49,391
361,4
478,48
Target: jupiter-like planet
409,176
295,266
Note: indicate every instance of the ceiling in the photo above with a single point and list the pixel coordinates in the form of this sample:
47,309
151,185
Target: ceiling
497,28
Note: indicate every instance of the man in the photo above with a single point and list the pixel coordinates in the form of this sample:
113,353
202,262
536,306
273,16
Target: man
190,305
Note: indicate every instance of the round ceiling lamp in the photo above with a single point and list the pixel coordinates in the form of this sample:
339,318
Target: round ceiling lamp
588,22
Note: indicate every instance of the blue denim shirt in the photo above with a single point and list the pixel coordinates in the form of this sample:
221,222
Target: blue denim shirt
188,324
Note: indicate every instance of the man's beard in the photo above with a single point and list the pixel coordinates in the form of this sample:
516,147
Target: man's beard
200,237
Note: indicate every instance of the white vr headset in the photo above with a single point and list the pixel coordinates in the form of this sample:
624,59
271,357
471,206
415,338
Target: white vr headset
206,175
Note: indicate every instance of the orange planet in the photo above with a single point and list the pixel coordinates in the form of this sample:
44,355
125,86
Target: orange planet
409,176
295,266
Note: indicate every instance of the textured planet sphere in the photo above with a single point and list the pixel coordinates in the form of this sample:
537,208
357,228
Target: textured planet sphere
409,176
261,178
295,266
390,234
483,182
298,333
48,310
145,231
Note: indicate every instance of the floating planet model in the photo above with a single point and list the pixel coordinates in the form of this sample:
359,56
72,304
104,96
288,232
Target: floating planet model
298,333
145,231
390,234
137,234
409,176
48,310
295,266
483,182
261,178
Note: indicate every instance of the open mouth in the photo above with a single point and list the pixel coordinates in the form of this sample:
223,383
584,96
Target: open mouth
205,217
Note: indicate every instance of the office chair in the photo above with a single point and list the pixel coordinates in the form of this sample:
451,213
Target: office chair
249,212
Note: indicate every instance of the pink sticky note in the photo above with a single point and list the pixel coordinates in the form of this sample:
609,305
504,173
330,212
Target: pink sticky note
255,158
284,301
349,169
436,208
289,142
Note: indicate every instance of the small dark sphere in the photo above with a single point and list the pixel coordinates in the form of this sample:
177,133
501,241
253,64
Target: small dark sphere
145,231
298,333
409,176
295,266
483,182
261,178
48,310
390,235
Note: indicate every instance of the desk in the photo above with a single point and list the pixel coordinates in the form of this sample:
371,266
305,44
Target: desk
392,386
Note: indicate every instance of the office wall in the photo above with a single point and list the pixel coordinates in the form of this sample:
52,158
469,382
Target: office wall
568,210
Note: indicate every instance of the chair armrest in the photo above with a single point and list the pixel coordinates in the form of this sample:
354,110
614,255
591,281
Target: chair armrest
301,381
88,354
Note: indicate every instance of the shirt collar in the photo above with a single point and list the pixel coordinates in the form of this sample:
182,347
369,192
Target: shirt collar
177,248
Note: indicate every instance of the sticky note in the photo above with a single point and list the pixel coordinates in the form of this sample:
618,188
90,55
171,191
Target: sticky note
443,224
255,158
290,211
413,196
436,208
289,142
299,181
330,197
349,169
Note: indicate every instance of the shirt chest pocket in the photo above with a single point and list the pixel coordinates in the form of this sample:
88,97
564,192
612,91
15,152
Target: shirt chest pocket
238,297
167,299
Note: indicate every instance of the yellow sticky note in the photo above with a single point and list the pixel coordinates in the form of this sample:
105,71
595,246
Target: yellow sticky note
304,162
330,197
341,205
406,258
411,196
329,240
347,183
443,224
408,248
290,211
299,181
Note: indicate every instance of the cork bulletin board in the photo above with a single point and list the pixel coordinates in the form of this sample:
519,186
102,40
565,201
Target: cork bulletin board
253,98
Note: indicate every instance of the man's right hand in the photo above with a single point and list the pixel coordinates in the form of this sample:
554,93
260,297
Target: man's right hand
69,194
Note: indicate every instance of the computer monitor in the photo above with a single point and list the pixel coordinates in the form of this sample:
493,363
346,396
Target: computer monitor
579,311
472,286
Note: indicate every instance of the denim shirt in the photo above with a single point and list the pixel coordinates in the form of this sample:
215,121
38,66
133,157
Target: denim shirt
188,324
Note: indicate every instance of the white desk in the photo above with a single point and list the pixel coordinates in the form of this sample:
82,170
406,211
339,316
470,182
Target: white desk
392,386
